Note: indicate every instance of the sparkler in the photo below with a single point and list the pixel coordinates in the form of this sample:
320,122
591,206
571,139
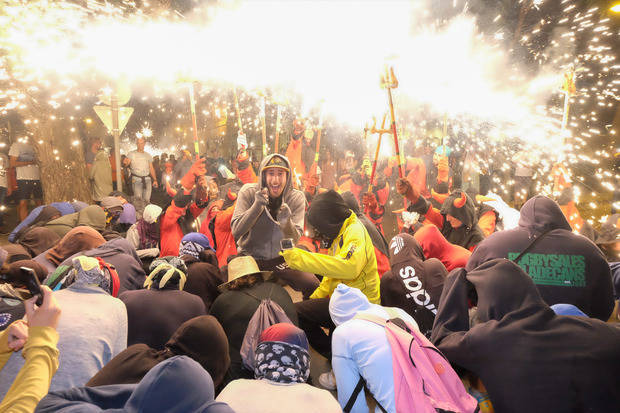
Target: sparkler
192,105
264,126
277,141
319,127
63,48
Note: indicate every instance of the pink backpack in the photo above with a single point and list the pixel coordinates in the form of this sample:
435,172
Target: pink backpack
424,381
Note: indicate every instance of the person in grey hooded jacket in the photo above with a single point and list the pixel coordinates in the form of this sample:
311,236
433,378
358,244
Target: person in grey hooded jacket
268,211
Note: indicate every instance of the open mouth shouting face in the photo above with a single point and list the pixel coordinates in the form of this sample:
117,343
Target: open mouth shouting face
276,180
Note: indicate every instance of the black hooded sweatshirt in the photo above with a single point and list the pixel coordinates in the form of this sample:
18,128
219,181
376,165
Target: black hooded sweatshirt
566,267
413,284
201,338
153,315
528,358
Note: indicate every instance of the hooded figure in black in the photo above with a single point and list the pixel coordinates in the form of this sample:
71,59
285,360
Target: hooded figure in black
154,313
201,338
326,215
528,358
461,207
203,276
566,268
413,283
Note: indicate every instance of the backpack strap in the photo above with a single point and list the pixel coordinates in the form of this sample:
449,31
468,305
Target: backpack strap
361,384
358,388
372,318
116,284
531,245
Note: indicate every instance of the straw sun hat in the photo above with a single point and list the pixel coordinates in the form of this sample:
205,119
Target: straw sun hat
241,267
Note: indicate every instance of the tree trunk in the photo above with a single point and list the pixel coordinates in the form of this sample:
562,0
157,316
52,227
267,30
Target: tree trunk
63,169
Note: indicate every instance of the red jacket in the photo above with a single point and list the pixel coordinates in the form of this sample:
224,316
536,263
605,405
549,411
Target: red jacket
171,232
222,237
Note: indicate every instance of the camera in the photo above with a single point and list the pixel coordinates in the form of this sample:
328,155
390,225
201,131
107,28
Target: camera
286,244
32,283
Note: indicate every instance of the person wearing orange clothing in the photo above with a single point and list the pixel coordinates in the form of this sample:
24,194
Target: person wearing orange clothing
300,151
457,218
216,226
435,245
186,200
414,169
244,171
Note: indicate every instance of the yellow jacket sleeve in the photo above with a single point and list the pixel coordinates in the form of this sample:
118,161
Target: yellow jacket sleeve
346,264
5,351
33,380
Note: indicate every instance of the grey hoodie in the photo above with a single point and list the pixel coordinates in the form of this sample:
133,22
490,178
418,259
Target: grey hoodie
254,229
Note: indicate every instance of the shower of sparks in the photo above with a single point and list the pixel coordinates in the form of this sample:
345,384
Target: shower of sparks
56,56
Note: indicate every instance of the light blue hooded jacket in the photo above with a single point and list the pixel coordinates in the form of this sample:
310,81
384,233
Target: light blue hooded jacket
360,347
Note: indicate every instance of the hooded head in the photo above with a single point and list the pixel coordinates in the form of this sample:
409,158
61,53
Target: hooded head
92,216
346,302
351,201
540,214
78,205
176,385
326,215
193,244
80,238
38,240
87,271
128,215
404,247
167,273
460,206
47,214
502,288
230,197
113,208
204,340
151,213
275,175
433,243
15,276
299,128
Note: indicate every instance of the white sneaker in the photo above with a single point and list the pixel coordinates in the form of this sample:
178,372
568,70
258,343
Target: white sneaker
328,380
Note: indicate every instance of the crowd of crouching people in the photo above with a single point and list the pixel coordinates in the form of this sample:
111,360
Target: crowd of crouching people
222,299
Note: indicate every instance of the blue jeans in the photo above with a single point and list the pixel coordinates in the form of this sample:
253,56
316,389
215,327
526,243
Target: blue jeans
140,189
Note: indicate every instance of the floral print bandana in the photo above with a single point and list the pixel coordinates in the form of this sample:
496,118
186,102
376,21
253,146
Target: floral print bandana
281,362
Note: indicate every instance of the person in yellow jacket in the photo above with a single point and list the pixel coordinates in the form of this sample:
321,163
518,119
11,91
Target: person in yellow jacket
351,260
38,337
